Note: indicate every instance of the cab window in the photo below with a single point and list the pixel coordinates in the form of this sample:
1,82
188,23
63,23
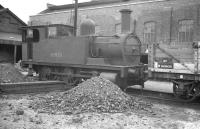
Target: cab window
31,35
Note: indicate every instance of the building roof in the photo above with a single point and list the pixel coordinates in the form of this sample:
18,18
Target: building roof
48,25
1,7
53,8
4,10
11,38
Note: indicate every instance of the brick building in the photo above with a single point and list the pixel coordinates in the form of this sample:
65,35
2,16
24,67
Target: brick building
105,14
152,20
10,36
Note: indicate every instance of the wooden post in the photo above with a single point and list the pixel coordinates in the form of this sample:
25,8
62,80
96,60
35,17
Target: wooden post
15,53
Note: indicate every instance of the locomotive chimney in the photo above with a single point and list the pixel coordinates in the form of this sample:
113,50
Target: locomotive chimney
125,20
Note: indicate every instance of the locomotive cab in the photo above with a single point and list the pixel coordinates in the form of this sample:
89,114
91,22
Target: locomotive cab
36,34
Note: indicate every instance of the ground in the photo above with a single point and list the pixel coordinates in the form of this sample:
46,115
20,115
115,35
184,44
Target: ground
56,110
16,113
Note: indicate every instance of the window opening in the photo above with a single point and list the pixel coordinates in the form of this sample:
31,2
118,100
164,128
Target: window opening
149,32
185,31
118,28
97,29
52,32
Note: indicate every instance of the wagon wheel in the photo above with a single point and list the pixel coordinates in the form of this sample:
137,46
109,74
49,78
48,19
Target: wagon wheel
185,91
69,78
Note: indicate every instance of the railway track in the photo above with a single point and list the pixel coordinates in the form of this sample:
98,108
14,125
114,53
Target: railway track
152,95
33,87
48,86
163,98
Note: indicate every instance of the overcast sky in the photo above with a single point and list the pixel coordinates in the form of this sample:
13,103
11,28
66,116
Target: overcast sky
25,8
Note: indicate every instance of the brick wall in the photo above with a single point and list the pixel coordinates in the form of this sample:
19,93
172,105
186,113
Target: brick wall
107,17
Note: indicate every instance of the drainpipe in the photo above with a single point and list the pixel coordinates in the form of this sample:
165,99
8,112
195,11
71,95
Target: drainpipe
75,16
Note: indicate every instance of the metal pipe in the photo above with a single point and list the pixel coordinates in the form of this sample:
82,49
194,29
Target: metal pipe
75,16
171,20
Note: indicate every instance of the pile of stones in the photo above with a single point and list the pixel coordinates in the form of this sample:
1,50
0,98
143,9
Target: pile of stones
9,74
94,95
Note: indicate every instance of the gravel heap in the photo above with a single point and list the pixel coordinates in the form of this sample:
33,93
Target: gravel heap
94,95
5,56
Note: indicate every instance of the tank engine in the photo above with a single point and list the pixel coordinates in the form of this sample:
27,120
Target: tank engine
55,53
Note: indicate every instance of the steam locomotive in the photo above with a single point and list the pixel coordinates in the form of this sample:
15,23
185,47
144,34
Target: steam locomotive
53,52
170,35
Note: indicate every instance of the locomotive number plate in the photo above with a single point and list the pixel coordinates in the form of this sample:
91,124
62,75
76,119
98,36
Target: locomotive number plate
56,54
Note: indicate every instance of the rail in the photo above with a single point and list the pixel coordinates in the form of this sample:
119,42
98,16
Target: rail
32,87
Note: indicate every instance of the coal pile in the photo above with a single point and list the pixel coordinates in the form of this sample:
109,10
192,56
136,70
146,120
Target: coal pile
94,95
10,74
5,56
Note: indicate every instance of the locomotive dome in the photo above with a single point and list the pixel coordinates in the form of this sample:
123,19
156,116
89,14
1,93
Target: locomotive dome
87,27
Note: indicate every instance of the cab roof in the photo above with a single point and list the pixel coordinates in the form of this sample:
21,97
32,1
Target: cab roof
50,25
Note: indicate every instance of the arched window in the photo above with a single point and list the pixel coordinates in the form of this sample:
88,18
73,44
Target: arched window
185,31
149,32
97,29
118,28
52,32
